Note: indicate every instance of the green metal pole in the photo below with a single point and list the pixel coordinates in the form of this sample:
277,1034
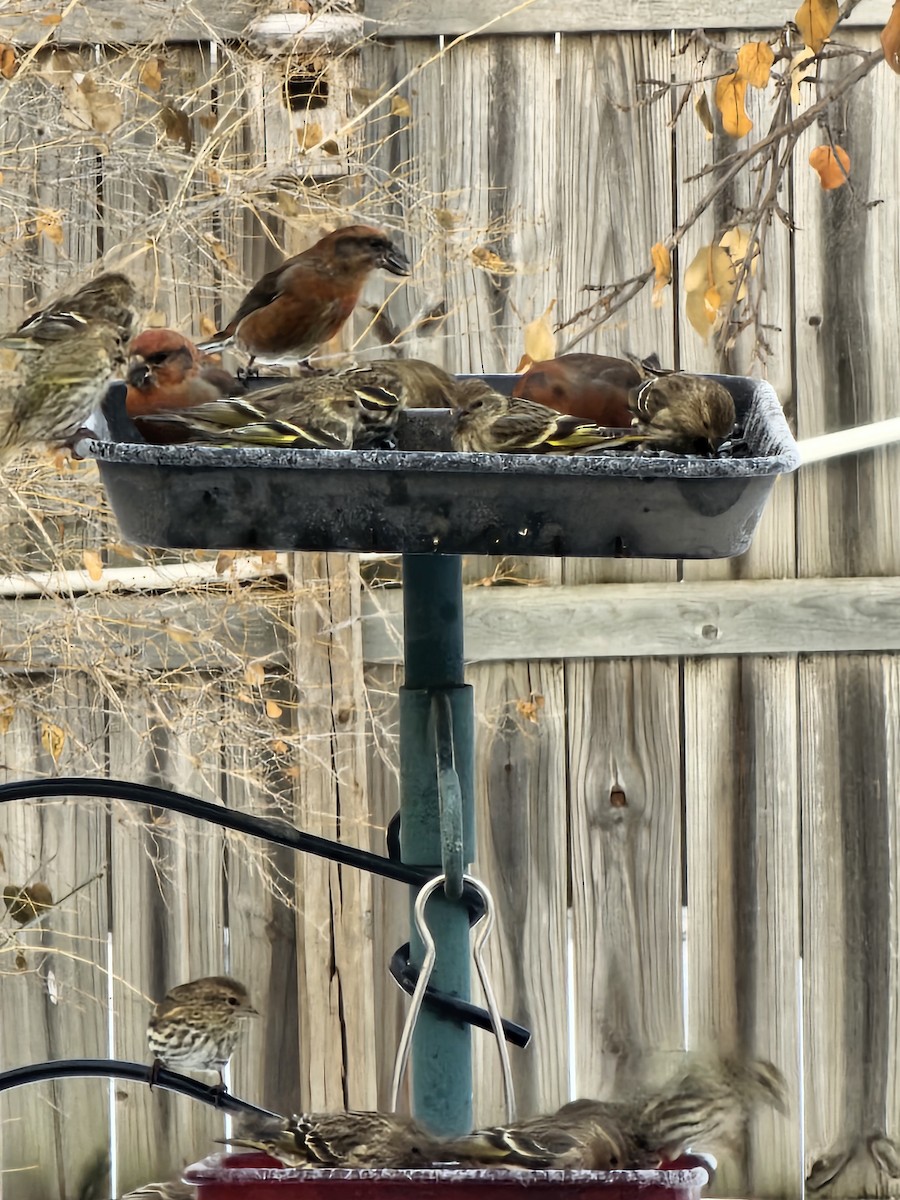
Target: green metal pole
434,668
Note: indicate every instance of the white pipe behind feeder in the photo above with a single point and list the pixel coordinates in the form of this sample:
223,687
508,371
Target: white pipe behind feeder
849,441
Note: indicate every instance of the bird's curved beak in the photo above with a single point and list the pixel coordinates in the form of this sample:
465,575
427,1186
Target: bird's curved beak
138,374
395,261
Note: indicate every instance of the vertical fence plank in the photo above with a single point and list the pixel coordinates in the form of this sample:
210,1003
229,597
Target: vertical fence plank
167,916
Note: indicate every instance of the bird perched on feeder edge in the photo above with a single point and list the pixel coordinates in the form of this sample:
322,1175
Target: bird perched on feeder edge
318,412
583,1135
166,371
418,383
296,307
491,423
592,387
110,297
52,394
198,1024
678,411
344,1139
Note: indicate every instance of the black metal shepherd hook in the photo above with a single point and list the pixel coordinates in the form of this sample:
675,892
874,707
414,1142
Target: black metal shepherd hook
282,834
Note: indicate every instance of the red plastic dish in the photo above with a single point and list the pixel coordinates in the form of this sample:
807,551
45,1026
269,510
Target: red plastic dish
258,1177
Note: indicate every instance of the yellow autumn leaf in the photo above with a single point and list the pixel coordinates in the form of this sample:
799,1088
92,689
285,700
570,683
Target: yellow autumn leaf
730,93
48,224
52,739
539,339
151,74
708,284
224,559
799,72
182,636
309,135
487,260
832,166
8,62
279,746
737,241
400,107
93,564
754,63
704,113
255,674
273,710
815,19
890,39
7,713
208,326
662,269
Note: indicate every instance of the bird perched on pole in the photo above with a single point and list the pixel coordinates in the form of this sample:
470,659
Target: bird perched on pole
293,309
110,298
592,387
198,1024
167,371
490,423
674,410
342,1139
47,398
317,412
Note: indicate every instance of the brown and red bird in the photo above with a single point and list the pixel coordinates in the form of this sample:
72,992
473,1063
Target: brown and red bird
167,371
593,387
296,307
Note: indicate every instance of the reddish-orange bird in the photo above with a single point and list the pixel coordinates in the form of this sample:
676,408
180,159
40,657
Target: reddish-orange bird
166,371
592,387
292,310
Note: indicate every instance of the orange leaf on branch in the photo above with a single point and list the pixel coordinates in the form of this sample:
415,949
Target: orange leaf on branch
815,19
754,63
890,39
832,166
662,272
730,93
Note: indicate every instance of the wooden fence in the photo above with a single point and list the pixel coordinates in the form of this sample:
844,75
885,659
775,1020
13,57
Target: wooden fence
686,772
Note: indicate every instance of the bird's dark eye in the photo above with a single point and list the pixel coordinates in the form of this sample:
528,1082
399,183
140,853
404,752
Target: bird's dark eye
233,1001
475,404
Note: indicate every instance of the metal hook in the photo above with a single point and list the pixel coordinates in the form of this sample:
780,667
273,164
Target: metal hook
449,795
482,929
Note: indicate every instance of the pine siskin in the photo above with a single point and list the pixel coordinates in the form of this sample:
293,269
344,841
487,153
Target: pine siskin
589,1135
111,297
198,1024
490,423
419,384
677,411
343,1139
709,1104
55,392
313,412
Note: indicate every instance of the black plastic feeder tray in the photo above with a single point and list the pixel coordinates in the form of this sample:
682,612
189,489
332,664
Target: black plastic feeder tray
426,500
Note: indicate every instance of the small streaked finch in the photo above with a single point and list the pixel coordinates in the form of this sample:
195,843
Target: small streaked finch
111,297
592,387
584,1135
709,1103
490,423
677,411
419,384
166,370
296,307
342,1139
199,1024
57,390
319,412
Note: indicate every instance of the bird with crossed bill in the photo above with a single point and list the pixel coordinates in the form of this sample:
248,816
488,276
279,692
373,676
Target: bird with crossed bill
315,412
353,1139
167,371
592,387
197,1025
293,309
489,423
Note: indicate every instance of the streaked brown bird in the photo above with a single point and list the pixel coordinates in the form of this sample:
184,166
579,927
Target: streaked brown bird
342,1139
55,392
317,412
592,387
110,297
490,423
709,1103
418,383
198,1024
677,411
296,307
166,371
588,1135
